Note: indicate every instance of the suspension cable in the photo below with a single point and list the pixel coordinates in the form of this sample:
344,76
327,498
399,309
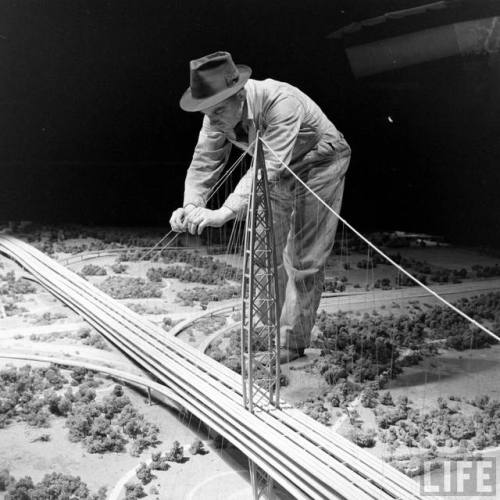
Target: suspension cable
211,193
368,242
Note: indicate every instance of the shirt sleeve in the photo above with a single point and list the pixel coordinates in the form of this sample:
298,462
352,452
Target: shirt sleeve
209,158
283,119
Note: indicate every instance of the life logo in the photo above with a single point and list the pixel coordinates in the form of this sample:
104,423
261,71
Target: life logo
460,478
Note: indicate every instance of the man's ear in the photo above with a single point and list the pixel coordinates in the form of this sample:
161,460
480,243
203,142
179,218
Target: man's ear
241,95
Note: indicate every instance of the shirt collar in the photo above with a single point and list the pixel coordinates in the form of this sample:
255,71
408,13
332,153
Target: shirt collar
247,111
247,116
247,119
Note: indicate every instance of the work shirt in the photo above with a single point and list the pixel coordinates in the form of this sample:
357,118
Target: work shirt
290,122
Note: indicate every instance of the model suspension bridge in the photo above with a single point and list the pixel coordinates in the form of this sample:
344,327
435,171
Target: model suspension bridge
282,444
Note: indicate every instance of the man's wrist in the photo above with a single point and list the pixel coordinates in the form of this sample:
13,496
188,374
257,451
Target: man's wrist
227,213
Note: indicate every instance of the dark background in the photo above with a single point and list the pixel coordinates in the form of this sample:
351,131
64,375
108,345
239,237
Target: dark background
91,131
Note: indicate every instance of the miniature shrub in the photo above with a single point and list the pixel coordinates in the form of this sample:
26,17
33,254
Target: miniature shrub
121,287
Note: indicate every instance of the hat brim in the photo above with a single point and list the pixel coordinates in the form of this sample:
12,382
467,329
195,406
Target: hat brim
190,103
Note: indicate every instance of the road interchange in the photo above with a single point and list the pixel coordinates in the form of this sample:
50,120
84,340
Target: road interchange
304,457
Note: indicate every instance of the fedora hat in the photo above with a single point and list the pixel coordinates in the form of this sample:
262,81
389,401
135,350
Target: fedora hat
213,78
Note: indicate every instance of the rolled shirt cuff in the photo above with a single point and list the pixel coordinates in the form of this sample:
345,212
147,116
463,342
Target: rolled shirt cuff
237,203
197,201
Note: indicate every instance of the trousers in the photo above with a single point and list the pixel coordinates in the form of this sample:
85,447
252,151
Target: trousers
304,232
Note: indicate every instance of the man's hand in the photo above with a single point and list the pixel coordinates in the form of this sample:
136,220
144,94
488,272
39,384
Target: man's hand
178,218
198,219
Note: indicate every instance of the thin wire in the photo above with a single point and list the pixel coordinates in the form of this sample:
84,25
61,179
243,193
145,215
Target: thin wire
231,246
212,191
163,238
367,241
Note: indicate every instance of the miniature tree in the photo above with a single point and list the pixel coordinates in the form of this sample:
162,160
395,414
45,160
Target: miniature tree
134,491
20,490
93,270
139,445
85,394
102,437
176,454
133,428
78,375
117,390
402,402
334,374
79,422
442,405
127,413
369,397
5,479
119,268
36,415
144,473
155,274
113,405
386,399
102,494
58,485
197,447
158,462
354,417
54,377
57,405
362,438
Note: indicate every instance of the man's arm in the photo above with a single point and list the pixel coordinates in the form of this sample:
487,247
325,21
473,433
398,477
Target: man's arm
283,119
209,158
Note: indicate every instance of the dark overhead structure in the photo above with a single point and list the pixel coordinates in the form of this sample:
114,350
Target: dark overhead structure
421,34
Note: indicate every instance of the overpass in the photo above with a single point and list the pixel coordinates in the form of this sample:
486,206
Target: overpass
307,459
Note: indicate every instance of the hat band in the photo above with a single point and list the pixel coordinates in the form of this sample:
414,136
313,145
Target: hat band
209,83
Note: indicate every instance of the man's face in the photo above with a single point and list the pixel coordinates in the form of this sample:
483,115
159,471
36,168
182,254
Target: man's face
225,115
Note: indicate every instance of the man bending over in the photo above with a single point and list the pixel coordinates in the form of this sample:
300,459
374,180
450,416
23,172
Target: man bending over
292,124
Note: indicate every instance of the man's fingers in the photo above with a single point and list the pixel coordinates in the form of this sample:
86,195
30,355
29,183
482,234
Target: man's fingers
194,213
173,224
202,226
180,222
198,219
177,220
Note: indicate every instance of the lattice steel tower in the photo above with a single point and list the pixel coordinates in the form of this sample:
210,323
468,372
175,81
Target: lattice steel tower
260,337
260,332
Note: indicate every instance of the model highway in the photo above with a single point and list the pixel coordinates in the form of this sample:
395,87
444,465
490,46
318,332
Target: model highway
307,459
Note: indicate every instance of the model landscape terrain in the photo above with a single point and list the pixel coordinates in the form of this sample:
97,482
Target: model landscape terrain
390,367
